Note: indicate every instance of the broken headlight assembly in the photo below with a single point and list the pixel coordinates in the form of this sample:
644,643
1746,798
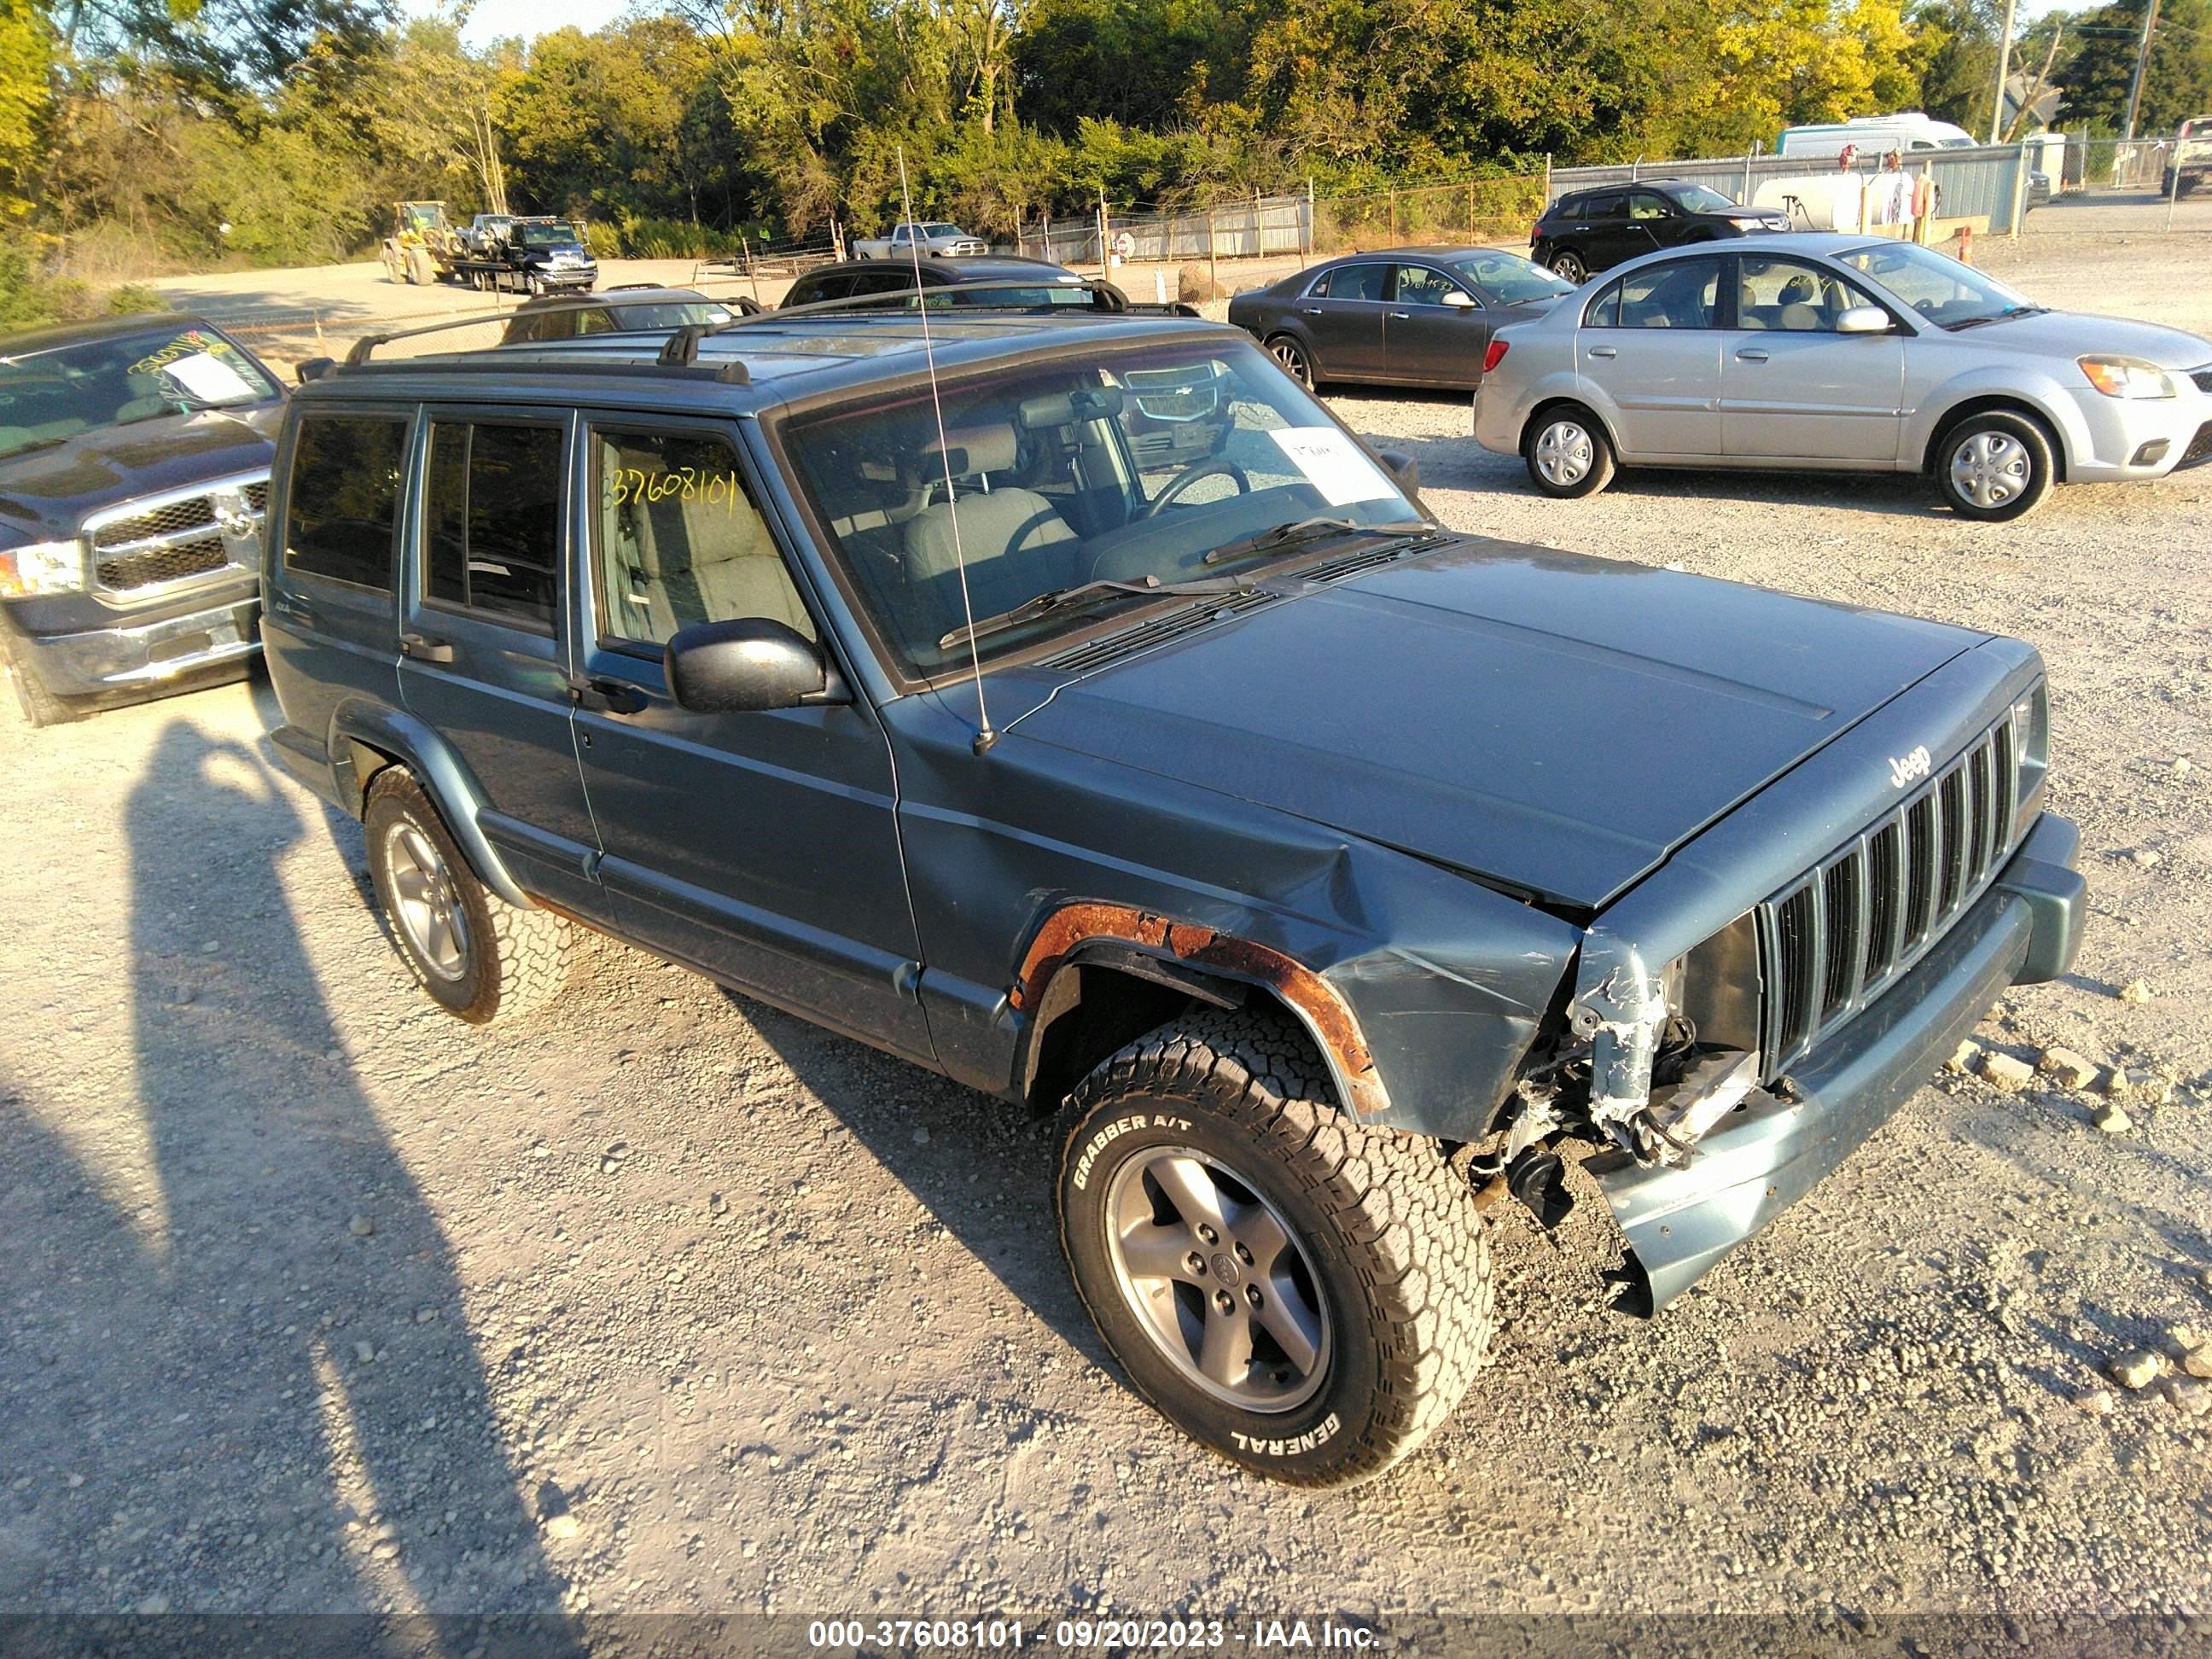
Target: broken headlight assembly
41,567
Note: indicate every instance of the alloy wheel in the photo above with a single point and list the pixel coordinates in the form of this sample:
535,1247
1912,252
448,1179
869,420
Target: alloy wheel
1217,1280
426,902
1565,454
1288,353
1569,268
1990,468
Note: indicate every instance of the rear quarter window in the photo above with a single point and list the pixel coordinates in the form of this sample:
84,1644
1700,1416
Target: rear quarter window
342,501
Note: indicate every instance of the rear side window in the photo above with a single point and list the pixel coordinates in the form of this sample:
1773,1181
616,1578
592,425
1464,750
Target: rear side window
345,497
1610,206
1355,283
491,511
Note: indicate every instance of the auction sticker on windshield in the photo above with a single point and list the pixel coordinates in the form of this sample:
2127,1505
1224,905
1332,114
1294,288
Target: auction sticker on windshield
208,378
1332,465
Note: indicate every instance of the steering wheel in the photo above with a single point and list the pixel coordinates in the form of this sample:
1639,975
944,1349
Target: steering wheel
1214,466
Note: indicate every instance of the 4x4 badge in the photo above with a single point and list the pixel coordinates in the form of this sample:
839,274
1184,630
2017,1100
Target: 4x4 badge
1905,768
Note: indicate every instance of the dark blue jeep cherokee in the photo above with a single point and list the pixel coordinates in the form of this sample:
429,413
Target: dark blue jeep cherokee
1095,721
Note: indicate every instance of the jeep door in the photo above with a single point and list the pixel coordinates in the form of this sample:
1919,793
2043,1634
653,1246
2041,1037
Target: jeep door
482,662
1651,343
762,848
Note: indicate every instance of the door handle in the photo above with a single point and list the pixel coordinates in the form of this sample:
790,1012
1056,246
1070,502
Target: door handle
1602,351
423,648
604,695
1401,316
1751,356
1311,311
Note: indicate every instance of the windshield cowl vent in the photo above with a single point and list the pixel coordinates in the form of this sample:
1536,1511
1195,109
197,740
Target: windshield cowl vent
1094,654
1350,564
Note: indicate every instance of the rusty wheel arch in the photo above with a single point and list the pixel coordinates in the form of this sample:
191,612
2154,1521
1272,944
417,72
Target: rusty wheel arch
1318,1005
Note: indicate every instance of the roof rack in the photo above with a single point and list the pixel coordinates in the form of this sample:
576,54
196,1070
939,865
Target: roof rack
680,351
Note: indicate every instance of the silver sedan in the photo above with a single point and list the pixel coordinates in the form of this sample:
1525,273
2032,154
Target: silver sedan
1824,351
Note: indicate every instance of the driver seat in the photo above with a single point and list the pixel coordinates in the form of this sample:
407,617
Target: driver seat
994,522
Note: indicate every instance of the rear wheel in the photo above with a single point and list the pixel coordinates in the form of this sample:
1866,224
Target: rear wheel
1568,267
1303,1296
1995,467
1292,357
1567,453
479,958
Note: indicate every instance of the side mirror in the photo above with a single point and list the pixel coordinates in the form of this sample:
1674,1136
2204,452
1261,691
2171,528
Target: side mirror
1459,300
315,368
1405,472
745,666
1863,320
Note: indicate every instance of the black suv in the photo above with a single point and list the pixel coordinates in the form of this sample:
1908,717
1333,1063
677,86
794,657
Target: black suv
134,463
1319,868
1591,230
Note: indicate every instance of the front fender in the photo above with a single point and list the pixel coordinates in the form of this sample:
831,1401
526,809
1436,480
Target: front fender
2004,383
358,725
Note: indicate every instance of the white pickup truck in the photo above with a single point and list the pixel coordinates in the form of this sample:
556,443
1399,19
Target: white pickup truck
2191,159
937,239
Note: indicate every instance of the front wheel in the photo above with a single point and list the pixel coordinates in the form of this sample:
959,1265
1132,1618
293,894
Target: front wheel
479,958
40,708
1567,453
1308,1297
1995,467
1568,267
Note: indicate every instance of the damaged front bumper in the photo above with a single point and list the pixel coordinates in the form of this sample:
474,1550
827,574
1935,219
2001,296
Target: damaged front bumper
1678,1221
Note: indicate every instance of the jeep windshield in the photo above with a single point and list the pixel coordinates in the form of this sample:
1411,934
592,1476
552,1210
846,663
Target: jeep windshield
49,397
1107,480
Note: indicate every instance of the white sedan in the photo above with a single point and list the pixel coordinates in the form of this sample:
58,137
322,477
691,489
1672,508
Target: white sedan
1825,351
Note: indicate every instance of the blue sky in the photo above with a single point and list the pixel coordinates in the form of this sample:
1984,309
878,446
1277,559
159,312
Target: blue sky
493,18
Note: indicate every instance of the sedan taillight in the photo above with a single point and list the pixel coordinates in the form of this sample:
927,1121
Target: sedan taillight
1496,354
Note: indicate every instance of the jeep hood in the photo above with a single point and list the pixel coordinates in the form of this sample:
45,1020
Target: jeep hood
1551,723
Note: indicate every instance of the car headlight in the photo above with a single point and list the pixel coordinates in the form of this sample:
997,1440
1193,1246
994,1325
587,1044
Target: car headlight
2031,746
42,567
2128,377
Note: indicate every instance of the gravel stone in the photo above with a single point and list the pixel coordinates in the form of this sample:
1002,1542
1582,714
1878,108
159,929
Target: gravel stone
361,1227
2112,1119
2135,991
2006,1072
2138,1369
1964,1057
2066,1069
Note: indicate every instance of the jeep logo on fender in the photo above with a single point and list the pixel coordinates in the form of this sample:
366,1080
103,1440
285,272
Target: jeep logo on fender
1903,769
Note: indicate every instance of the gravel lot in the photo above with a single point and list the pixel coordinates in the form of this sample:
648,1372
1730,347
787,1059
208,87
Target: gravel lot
316,1299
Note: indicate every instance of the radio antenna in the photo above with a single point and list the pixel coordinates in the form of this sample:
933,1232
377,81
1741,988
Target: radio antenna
985,734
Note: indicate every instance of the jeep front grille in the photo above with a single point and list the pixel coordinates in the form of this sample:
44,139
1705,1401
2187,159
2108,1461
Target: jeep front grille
1839,936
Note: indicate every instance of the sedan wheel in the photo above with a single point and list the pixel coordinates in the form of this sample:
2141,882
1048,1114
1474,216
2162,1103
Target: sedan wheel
1569,268
1292,357
1995,467
1567,453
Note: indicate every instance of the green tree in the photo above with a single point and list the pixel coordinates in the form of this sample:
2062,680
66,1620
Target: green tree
2177,82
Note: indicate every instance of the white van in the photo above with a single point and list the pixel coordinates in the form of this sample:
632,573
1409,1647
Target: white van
1874,135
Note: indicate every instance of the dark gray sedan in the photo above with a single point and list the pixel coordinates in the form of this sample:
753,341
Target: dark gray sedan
1404,316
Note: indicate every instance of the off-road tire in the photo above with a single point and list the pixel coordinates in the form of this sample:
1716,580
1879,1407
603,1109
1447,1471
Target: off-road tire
1596,473
40,708
1392,1238
514,960
2024,438
420,271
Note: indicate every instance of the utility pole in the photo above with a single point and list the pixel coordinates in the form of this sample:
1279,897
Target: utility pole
2005,68
2142,58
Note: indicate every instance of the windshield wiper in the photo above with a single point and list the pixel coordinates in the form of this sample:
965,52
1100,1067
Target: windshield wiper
2005,315
1306,530
32,448
1058,597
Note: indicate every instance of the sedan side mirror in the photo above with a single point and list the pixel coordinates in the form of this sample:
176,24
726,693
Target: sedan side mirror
746,666
1863,320
1460,300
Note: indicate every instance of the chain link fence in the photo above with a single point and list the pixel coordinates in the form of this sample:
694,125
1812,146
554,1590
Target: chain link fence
2113,186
